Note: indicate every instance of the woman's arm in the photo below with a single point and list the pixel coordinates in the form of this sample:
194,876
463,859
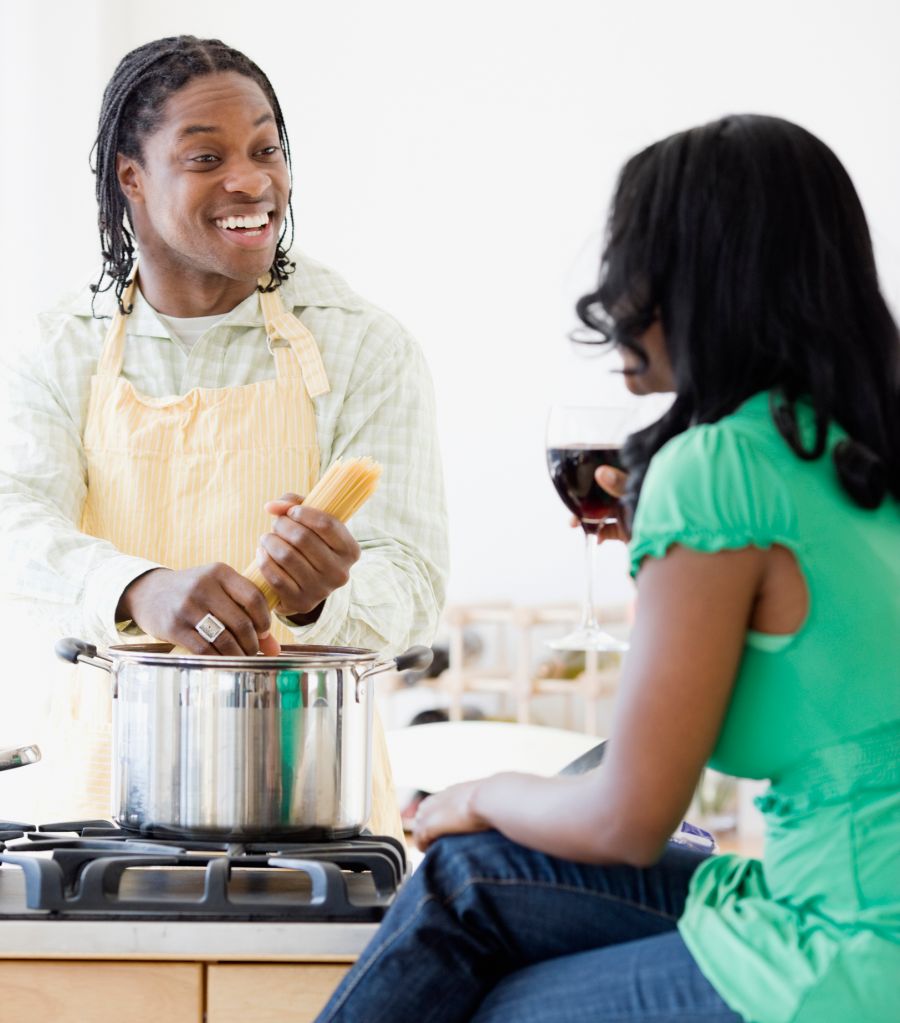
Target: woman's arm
693,613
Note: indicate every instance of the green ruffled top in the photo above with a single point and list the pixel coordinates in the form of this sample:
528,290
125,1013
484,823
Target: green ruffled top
810,934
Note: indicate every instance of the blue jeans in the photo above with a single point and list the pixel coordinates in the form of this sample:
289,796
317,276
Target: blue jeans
487,930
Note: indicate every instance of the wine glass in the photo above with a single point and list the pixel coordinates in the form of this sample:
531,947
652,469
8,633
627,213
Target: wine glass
579,440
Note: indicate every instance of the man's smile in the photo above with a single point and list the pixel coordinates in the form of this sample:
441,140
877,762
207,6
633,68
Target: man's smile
251,229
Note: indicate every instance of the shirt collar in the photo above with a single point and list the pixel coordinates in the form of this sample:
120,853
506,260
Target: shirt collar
311,284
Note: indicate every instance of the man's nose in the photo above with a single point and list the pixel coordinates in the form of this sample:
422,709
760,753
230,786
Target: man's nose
248,177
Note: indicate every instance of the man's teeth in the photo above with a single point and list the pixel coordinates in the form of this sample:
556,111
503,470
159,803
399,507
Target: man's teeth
259,220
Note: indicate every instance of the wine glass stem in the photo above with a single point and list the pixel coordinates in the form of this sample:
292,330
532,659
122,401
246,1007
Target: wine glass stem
592,545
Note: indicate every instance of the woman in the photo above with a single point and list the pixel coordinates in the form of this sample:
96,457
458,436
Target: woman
738,272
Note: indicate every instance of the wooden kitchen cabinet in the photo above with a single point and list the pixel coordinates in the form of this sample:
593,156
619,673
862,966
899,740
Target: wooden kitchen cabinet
102,992
147,992
238,992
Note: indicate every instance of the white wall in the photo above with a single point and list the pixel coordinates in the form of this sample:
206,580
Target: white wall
454,161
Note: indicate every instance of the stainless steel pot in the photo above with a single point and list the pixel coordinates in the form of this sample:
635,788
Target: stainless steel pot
242,747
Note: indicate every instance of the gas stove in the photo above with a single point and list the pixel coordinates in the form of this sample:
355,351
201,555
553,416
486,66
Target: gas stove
94,870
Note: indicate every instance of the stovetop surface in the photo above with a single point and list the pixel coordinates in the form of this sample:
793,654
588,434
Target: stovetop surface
93,870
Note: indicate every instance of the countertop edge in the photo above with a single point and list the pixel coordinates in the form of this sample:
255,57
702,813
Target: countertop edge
191,941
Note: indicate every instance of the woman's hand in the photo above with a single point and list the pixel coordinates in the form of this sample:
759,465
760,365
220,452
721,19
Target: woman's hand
613,481
306,557
449,812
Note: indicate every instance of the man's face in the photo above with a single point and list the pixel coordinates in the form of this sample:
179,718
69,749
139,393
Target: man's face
216,156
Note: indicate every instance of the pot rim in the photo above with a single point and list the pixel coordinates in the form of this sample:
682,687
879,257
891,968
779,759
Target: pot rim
292,656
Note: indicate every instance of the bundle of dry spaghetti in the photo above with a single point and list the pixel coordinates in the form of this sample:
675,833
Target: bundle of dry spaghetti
341,492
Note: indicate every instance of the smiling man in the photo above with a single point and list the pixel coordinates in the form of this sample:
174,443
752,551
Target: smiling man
172,415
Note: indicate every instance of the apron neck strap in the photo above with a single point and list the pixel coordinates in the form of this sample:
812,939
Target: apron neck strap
302,353
110,363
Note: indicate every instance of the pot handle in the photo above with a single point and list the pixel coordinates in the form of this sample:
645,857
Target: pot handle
417,658
19,757
75,650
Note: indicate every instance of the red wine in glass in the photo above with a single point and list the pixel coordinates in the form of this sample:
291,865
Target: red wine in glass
579,439
572,470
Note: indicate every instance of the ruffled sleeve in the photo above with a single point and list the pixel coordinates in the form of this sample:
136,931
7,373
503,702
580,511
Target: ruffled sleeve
711,488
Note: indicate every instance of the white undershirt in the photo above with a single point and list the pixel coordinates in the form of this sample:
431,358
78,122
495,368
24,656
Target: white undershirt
187,329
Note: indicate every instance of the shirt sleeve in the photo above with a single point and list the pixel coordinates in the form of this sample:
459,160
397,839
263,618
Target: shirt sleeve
74,579
396,589
711,489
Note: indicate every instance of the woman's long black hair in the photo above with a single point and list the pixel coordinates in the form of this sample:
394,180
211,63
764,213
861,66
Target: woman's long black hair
746,239
132,109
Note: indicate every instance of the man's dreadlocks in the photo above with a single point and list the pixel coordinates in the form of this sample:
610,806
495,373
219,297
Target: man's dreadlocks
132,109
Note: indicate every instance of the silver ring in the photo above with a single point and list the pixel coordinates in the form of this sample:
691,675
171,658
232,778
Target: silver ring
210,628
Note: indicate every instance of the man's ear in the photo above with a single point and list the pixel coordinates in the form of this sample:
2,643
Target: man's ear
130,175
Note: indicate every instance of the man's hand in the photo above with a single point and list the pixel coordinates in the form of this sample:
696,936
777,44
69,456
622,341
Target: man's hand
307,556
168,604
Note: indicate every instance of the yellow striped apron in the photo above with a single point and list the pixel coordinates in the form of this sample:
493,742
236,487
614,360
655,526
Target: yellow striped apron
182,481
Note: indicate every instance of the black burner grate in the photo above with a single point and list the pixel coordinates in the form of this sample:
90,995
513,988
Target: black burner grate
78,868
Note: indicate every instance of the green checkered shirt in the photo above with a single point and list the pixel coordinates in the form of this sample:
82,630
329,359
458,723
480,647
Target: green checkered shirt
381,404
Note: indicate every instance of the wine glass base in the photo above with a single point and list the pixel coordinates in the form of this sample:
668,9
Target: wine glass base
588,639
